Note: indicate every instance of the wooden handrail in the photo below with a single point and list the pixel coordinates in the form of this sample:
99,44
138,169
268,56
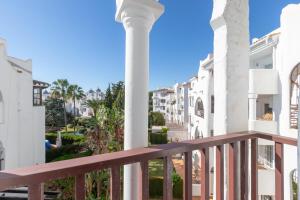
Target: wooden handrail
77,167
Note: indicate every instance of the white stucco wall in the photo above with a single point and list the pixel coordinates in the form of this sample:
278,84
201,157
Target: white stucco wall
263,81
17,130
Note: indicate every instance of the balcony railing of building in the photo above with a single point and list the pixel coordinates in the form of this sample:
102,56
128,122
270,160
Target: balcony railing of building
235,143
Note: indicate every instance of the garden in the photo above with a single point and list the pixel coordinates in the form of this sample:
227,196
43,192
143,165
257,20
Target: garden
71,136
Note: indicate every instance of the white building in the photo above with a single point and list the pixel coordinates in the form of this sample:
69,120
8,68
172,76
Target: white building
83,109
173,103
274,77
22,124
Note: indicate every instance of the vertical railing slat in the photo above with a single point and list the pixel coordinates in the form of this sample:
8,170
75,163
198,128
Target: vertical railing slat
279,193
168,168
80,187
204,174
144,181
244,169
232,171
219,172
188,175
254,169
36,191
115,183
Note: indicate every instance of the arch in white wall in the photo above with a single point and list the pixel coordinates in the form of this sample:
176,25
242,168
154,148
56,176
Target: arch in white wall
1,108
294,94
199,108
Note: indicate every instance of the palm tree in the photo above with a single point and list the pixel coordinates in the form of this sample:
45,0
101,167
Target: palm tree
59,90
75,93
95,105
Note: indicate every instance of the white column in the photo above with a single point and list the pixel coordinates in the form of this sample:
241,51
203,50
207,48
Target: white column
138,17
230,22
252,110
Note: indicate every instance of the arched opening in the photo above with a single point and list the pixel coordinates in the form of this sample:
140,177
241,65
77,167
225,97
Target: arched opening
199,108
294,94
1,108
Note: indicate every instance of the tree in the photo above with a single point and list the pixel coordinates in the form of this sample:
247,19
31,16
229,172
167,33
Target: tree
95,105
54,112
75,93
60,91
108,100
150,106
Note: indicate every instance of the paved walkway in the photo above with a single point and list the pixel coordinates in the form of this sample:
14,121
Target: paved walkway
177,132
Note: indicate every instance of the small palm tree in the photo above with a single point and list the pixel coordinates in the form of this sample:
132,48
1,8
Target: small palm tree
75,93
95,105
59,90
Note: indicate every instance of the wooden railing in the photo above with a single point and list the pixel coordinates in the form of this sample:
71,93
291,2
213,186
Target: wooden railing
35,176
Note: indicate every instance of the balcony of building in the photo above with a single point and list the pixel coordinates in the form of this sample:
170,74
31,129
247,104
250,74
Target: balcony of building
263,81
240,172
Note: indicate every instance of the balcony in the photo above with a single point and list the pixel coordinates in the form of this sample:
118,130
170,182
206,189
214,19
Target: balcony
263,81
35,176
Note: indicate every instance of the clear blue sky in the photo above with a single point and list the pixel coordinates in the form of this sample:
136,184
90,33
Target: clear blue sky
79,39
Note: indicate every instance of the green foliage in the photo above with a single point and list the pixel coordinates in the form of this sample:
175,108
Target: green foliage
67,138
71,156
54,112
177,186
295,190
63,150
108,101
150,106
164,130
156,119
158,138
156,186
65,186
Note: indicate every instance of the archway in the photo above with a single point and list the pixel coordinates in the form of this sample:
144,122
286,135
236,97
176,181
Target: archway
294,94
199,108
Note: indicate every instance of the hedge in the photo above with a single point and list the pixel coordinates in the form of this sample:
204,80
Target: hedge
158,138
67,149
156,186
67,138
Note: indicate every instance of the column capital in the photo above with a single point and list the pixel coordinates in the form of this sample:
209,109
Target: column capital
138,12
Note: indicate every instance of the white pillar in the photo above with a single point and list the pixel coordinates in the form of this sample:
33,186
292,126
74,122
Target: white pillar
138,17
252,110
230,22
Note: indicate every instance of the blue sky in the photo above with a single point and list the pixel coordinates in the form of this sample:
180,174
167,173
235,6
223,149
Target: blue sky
79,39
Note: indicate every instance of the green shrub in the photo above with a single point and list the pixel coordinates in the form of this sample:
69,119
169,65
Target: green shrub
156,119
72,156
67,138
164,130
67,149
177,186
158,138
156,186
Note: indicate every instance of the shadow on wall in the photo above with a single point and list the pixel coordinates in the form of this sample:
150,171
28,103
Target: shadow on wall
1,109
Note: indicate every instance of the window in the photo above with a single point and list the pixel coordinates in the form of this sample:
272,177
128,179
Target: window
1,108
37,97
212,104
199,108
